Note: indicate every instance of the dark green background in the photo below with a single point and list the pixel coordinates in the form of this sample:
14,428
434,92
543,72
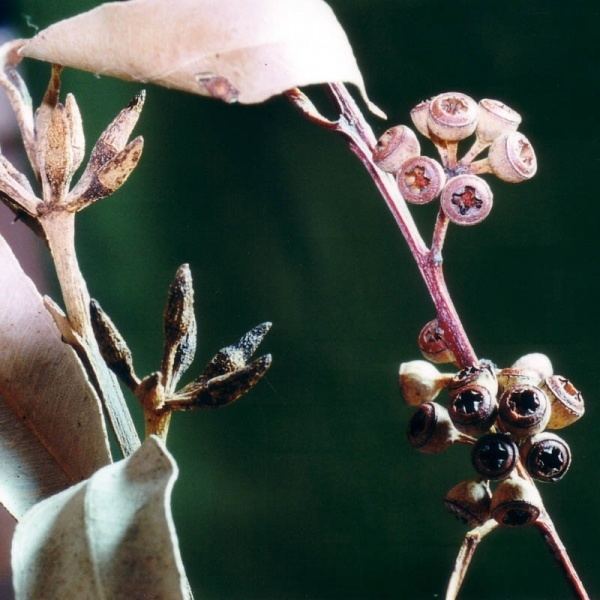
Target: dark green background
307,487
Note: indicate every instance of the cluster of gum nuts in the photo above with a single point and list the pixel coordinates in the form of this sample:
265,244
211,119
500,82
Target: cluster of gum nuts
504,415
465,198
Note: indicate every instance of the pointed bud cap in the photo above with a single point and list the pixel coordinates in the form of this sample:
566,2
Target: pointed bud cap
420,382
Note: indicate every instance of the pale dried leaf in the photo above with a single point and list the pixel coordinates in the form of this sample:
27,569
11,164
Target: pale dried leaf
109,537
234,50
52,433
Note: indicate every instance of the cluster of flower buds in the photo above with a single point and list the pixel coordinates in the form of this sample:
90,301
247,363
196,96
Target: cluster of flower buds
504,415
447,119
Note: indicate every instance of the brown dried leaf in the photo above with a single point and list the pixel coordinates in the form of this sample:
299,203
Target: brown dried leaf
111,536
52,433
233,50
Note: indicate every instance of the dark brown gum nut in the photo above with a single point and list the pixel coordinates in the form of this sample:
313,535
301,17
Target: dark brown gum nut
470,501
482,374
395,146
467,199
495,118
420,179
512,158
566,401
547,457
516,502
494,456
524,410
473,408
419,116
430,429
452,116
433,344
513,376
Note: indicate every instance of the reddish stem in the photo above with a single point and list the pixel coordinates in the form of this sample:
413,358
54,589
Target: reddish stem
362,141
354,127
547,529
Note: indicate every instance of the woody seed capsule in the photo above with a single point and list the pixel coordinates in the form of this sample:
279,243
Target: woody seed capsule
419,115
546,456
512,158
467,199
420,179
433,345
495,118
395,146
524,410
566,401
516,502
470,502
420,382
431,431
452,116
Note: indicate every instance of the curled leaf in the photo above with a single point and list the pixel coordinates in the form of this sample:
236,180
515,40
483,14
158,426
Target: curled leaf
111,536
233,50
52,433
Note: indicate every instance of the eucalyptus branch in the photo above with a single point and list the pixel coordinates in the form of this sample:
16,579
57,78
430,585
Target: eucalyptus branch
465,556
514,162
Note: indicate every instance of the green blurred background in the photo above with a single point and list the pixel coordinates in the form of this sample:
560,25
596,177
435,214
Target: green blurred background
307,488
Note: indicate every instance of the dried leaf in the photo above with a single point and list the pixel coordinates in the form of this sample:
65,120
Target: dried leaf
234,50
111,536
52,433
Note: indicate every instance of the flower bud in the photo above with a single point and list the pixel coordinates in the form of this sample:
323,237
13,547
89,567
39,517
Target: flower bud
495,118
395,146
419,116
470,502
452,116
433,345
516,502
537,362
420,179
430,429
420,381
524,410
494,456
467,199
566,401
512,158
546,456
56,159
76,131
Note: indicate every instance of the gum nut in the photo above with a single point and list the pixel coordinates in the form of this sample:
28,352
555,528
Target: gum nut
395,146
512,158
467,199
420,179
495,118
452,116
